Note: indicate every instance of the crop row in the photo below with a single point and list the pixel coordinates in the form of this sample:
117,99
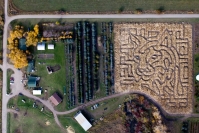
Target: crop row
70,72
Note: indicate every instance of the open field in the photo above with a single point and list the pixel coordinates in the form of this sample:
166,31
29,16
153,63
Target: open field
105,5
106,107
29,119
141,66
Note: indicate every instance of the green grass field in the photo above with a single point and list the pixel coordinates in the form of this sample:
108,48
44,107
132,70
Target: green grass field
105,5
53,82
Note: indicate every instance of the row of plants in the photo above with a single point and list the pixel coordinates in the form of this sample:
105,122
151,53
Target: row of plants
108,56
87,60
70,73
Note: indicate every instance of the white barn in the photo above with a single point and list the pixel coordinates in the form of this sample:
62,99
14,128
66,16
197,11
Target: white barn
41,46
50,46
82,121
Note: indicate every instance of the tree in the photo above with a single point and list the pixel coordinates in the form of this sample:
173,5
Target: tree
31,38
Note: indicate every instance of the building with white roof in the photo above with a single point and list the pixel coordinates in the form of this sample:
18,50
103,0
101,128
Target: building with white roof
41,46
50,46
36,92
82,121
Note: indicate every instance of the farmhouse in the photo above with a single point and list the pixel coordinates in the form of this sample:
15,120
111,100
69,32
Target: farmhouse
41,46
22,44
82,121
32,81
55,99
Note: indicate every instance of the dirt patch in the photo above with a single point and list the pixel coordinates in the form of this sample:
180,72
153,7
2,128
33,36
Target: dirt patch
156,59
56,68
45,56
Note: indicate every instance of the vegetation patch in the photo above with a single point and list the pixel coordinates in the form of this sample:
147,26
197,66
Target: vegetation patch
9,73
103,6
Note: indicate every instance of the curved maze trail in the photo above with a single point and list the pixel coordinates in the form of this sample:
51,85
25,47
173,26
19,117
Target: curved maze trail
156,59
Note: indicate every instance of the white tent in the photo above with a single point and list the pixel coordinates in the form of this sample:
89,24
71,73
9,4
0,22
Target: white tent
41,46
82,121
50,46
197,77
36,92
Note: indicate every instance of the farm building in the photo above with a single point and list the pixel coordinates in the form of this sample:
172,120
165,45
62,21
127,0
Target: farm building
30,67
50,46
41,46
79,117
36,92
32,81
55,99
22,44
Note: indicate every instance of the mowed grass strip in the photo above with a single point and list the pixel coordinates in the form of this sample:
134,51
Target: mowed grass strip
105,5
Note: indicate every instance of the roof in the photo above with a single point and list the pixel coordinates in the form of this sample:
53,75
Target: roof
83,121
32,81
22,44
50,46
55,99
36,92
41,46
30,66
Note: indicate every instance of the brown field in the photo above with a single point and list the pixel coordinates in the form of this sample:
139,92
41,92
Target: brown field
156,59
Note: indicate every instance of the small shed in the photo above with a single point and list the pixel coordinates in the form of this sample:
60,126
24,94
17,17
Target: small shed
32,81
79,117
55,99
30,67
22,44
36,92
50,46
41,46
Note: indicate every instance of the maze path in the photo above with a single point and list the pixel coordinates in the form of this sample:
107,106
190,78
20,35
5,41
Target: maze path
155,58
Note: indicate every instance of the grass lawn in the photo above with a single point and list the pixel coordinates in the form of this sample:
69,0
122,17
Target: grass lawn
105,5
53,82
29,119
68,120
110,104
9,73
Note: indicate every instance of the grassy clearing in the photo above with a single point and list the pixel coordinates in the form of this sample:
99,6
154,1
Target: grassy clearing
68,120
105,5
29,119
9,73
110,104
53,82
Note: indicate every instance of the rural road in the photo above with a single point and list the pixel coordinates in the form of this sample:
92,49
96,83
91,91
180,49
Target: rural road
18,87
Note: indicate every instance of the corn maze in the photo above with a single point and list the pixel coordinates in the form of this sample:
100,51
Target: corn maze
156,59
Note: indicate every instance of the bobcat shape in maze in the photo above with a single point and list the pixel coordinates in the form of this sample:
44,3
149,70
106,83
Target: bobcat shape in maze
156,59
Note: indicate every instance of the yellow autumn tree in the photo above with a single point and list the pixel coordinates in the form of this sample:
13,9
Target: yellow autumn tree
31,38
17,56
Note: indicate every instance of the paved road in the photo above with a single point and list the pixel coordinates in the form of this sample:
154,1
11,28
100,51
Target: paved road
17,87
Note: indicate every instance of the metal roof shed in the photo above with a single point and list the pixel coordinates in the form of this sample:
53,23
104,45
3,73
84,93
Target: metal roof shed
41,46
36,92
82,121
50,46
